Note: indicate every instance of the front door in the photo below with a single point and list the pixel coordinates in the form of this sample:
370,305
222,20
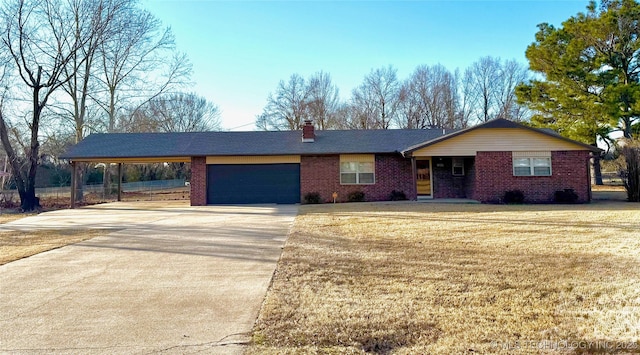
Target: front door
423,178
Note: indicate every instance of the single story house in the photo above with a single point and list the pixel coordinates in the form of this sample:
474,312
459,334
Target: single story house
481,162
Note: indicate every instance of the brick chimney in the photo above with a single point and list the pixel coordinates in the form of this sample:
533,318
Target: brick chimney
308,132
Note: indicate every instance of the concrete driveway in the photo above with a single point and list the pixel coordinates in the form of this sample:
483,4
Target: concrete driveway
165,278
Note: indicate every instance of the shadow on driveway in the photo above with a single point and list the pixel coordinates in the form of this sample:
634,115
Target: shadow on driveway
168,278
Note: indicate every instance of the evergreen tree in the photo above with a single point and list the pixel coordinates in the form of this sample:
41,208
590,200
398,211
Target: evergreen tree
588,73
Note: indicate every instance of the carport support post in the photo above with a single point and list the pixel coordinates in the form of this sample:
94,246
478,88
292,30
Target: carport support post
415,177
119,181
74,172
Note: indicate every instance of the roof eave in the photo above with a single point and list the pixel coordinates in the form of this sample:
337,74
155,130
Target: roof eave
496,123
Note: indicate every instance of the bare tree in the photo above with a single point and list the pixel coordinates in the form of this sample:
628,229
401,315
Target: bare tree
287,109
41,44
176,112
82,71
429,99
491,83
138,63
323,101
376,99
468,98
81,66
410,112
362,110
511,74
483,75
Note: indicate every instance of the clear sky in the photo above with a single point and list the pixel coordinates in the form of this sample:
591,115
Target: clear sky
240,50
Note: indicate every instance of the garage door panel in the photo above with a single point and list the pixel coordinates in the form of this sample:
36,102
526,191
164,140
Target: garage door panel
253,183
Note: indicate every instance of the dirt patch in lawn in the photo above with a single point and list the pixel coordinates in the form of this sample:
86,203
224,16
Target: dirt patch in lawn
16,245
439,278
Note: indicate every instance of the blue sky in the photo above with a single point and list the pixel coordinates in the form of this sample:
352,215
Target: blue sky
240,50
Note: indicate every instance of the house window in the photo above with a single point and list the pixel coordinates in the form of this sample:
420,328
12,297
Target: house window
357,169
457,167
356,173
532,166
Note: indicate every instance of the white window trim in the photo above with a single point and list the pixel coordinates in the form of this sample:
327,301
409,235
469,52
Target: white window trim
358,172
355,159
531,165
454,165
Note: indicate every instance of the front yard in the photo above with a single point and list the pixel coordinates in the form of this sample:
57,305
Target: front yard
439,278
15,245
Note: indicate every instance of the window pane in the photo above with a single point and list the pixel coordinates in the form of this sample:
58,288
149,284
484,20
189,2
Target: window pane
521,171
349,178
541,171
348,167
546,162
365,167
366,178
521,162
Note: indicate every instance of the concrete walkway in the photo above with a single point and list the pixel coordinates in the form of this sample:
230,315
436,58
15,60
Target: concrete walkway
165,278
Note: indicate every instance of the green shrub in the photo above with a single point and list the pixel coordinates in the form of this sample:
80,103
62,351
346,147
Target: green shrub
565,196
397,196
312,198
513,196
356,196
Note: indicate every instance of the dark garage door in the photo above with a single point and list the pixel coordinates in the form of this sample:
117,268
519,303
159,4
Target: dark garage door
253,183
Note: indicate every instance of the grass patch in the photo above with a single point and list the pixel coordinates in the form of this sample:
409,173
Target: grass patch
10,217
435,278
16,245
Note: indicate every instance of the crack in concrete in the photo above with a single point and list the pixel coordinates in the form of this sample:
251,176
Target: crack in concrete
218,343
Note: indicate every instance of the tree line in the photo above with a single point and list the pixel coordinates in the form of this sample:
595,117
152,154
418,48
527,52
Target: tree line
431,97
71,67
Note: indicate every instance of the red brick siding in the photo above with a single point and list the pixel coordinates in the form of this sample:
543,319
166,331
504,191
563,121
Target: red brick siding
198,181
446,185
494,176
322,174
470,174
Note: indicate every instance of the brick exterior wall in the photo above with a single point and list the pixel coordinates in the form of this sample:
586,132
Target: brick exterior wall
486,178
494,176
322,174
470,174
446,185
198,181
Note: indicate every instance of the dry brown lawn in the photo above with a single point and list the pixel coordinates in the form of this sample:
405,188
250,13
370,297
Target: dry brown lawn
428,278
8,217
16,245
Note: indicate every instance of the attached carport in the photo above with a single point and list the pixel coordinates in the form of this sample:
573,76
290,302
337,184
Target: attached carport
226,167
119,161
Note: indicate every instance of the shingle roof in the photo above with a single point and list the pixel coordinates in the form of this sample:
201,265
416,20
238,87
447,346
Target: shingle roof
150,145
178,145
